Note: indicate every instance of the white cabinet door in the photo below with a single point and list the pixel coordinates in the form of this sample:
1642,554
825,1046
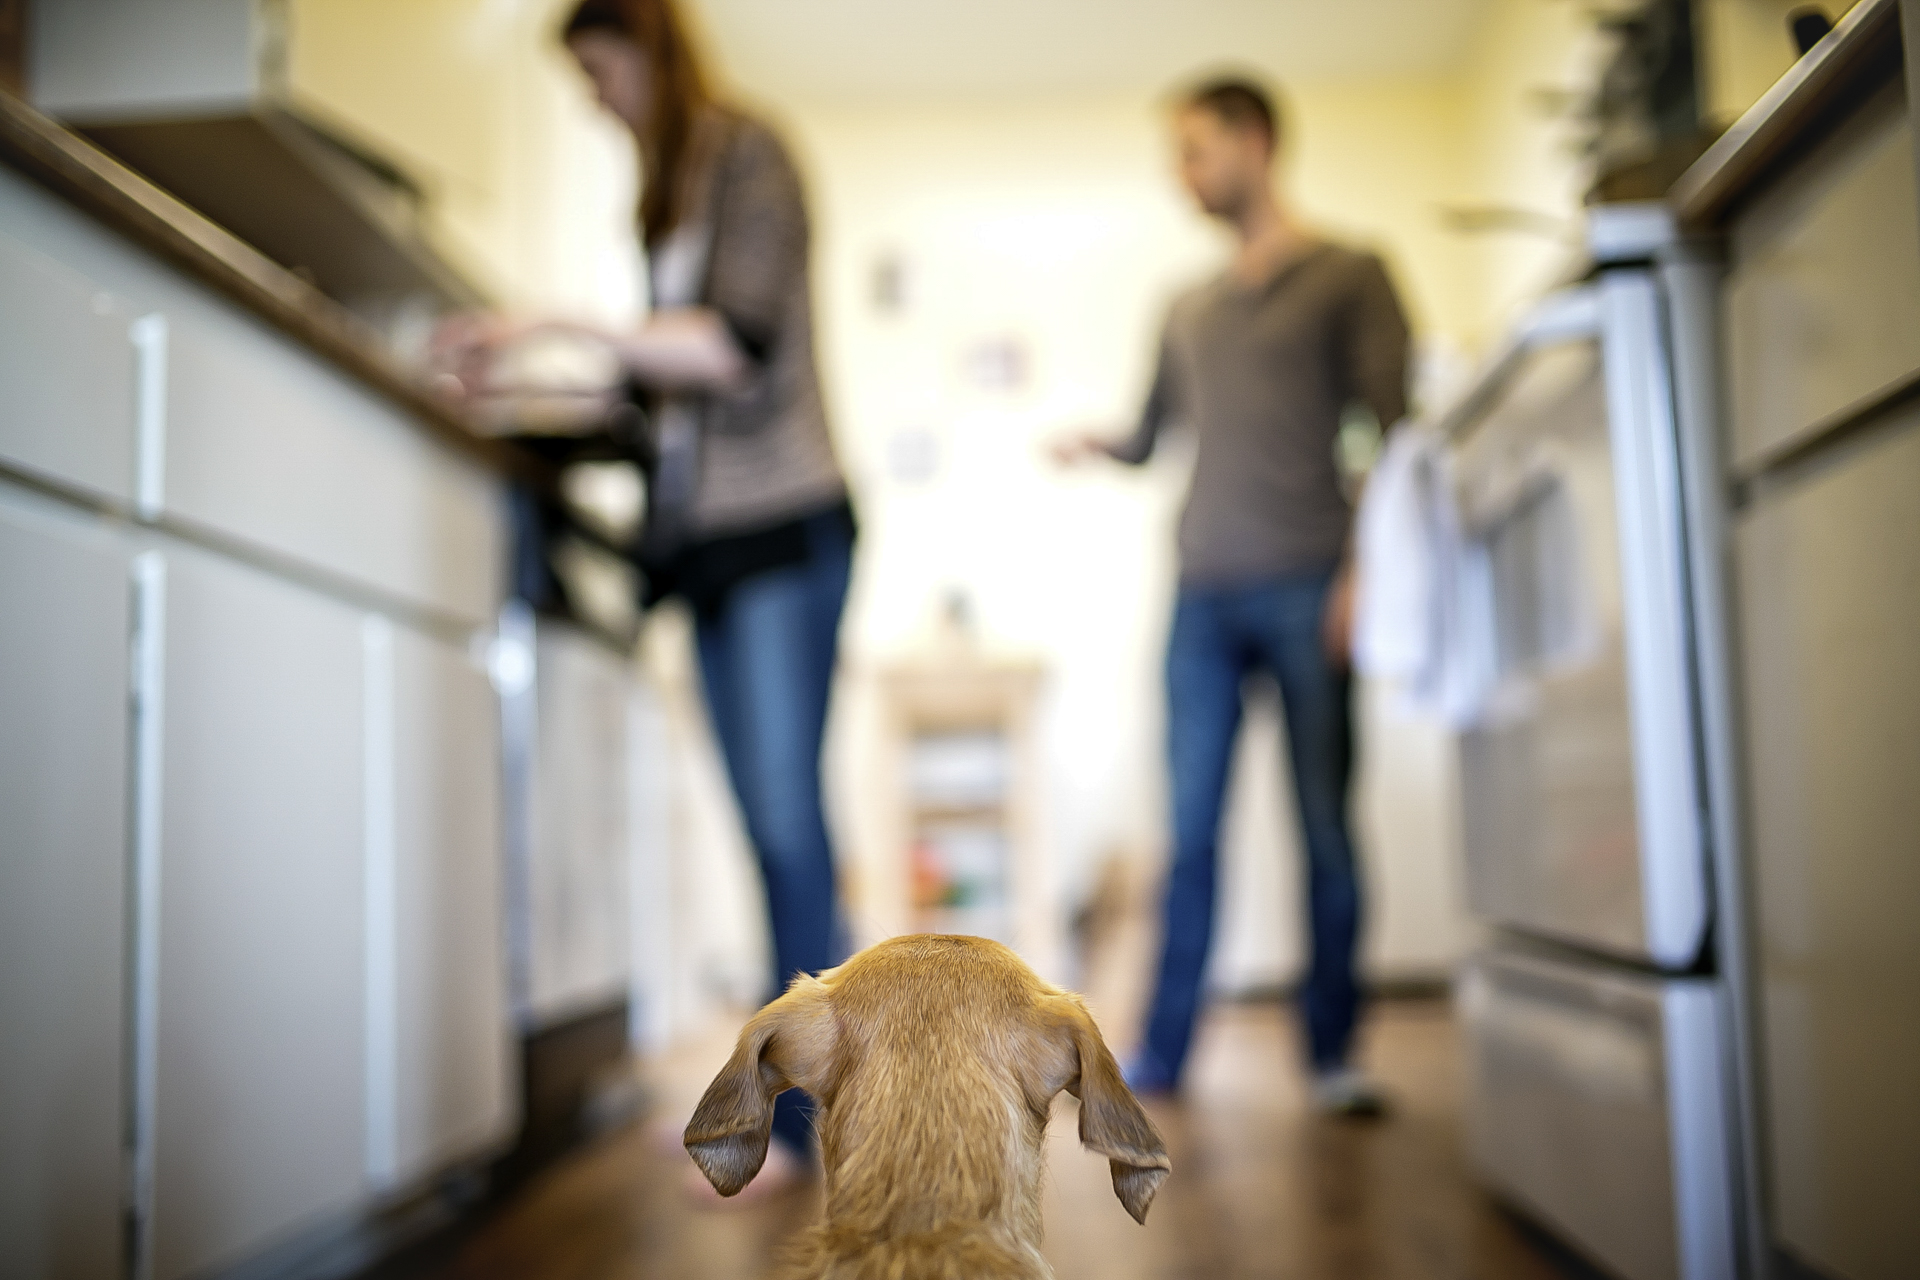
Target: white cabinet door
579,951
1830,672
64,628
260,1095
441,1066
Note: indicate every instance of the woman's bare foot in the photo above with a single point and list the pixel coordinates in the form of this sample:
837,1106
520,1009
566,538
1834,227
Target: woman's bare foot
783,1170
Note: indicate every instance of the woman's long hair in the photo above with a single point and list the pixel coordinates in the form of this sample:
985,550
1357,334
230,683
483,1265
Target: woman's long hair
679,91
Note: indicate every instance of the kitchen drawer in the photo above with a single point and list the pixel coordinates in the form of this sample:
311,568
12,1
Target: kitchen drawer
268,444
1822,304
66,362
1596,1104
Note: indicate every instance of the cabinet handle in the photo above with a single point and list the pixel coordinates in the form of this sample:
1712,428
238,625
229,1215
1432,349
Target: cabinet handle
382,908
149,665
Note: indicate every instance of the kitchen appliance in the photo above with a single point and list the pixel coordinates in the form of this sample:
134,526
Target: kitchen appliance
201,97
1603,1077
574,842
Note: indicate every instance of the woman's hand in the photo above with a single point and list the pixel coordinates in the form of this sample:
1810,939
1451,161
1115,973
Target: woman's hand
684,349
679,349
461,353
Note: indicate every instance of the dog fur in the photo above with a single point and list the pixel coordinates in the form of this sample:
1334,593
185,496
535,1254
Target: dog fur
934,1061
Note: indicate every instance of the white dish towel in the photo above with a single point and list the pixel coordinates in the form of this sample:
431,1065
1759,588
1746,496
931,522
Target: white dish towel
1423,614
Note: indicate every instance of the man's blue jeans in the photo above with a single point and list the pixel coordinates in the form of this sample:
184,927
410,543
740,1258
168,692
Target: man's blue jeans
767,662
1220,637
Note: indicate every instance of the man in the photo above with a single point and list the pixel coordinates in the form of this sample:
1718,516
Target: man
1262,363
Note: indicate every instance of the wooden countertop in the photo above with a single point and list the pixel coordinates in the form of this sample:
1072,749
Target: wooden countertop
1860,51
87,177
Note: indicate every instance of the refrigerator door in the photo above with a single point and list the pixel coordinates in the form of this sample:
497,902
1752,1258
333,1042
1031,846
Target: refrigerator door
1596,1104
1580,779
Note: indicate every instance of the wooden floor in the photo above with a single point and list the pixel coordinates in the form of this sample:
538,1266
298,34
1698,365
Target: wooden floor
1261,1187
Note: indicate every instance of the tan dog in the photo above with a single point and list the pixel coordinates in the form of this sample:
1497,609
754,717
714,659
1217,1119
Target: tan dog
935,1061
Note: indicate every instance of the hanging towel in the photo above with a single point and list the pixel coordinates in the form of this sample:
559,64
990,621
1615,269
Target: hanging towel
1394,604
1423,616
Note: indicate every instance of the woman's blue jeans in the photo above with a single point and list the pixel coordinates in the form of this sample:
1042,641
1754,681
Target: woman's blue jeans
767,660
1220,637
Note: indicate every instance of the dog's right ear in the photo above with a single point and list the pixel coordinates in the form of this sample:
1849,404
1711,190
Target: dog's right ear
787,1044
1112,1120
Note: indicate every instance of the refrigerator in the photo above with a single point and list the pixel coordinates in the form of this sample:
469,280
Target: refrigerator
1604,1090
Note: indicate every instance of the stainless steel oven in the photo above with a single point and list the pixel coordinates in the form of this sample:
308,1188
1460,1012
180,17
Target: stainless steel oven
1601,1066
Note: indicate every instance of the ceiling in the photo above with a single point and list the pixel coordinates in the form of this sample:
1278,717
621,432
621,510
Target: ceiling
869,52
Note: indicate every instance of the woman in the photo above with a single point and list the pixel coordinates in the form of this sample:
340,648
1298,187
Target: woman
748,518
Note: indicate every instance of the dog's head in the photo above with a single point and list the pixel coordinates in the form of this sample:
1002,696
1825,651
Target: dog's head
910,1034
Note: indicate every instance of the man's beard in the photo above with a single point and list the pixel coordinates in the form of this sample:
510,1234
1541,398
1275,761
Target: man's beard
1231,205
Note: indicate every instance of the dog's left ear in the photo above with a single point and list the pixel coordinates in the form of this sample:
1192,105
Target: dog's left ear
1111,1119
787,1044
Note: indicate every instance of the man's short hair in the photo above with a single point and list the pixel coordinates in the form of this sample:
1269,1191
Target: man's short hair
1238,103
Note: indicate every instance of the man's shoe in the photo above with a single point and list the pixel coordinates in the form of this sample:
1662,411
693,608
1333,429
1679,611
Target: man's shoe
1346,1092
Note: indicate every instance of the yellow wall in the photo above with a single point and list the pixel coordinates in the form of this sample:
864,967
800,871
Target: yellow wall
1058,225
1746,49
531,187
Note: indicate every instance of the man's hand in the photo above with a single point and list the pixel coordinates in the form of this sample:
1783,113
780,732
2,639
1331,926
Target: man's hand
1076,447
1336,619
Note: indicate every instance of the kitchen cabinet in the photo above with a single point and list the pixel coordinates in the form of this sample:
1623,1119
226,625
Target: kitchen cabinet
1830,616
137,386
1813,194
574,917
1823,296
65,617
450,1037
259,1076
252,954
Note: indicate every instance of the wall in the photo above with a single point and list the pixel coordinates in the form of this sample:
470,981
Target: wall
1053,224
1746,49
1056,226
531,186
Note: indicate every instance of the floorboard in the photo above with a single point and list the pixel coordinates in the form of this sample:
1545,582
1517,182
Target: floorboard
1261,1187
